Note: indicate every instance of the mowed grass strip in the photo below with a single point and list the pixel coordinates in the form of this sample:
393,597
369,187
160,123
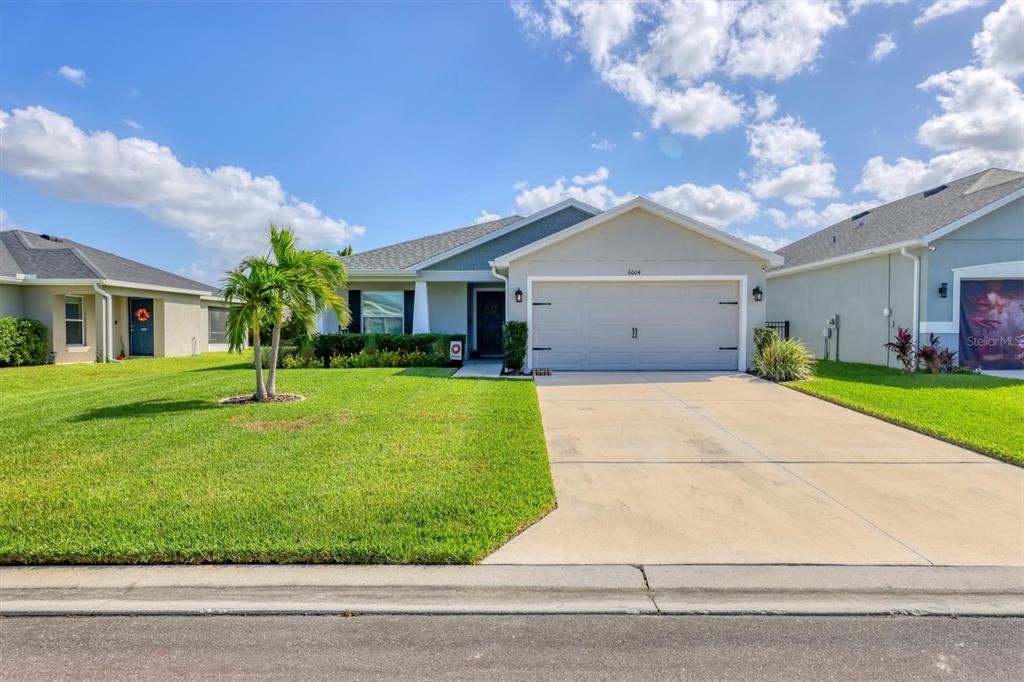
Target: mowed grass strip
136,463
983,413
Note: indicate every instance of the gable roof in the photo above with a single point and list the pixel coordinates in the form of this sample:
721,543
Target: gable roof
918,218
407,254
653,208
28,255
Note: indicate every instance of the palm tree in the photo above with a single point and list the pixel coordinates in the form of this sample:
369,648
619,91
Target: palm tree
347,251
310,284
255,288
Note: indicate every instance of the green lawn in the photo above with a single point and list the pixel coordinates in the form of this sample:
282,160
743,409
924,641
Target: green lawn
979,412
136,463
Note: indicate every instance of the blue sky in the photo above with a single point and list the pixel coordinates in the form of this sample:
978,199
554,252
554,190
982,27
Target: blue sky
174,133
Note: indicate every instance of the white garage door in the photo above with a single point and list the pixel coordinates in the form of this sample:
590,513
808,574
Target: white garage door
635,325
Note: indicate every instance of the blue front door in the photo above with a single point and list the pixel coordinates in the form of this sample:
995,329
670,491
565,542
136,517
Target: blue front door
140,326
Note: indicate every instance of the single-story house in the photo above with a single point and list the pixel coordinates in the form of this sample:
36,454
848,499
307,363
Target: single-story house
638,286
948,261
99,306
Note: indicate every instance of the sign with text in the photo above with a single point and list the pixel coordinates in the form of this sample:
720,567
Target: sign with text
992,323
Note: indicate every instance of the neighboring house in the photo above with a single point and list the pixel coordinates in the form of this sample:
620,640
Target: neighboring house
948,261
635,287
98,306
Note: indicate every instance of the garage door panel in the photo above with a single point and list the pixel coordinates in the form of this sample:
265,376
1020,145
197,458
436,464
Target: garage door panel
679,325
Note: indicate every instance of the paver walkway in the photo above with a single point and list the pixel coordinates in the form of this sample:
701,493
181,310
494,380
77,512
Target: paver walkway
700,467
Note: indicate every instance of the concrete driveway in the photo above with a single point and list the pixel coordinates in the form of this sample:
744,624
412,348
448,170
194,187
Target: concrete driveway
697,467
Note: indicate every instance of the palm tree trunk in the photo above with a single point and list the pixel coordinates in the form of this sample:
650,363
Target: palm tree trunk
275,348
261,389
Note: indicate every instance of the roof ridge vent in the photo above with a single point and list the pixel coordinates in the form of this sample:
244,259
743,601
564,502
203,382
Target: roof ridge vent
933,191
51,238
859,216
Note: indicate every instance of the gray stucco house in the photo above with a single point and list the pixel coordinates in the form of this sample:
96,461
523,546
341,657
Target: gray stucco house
635,287
948,261
98,306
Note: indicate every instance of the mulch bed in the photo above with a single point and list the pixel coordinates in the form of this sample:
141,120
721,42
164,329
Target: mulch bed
250,400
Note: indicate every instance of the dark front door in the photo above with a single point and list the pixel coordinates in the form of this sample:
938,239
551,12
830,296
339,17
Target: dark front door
490,316
140,326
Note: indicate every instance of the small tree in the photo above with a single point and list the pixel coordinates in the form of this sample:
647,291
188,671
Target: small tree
309,284
255,289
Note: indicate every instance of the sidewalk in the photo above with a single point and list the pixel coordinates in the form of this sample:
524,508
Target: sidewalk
614,589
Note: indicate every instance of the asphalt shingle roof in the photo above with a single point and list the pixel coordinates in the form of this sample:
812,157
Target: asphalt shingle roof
405,254
906,219
27,253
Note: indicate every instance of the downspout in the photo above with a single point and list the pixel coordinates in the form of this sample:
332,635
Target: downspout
108,322
917,292
504,278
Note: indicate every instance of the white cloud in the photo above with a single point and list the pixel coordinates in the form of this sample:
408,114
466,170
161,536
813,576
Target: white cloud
73,75
981,110
883,47
780,39
784,142
600,175
907,176
831,214
661,56
764,241
6,223
603,145
485,217
714,205
131,123
943,8
519,186
765,106
798,185
857,5
637,135
225,210
1000,44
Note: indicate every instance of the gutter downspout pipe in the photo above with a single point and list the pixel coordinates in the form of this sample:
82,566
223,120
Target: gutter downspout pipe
917,292
108,322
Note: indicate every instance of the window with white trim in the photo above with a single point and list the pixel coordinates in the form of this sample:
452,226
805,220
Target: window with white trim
74,321
383,312
218,325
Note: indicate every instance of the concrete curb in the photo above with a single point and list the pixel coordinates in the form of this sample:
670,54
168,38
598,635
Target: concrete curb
611,589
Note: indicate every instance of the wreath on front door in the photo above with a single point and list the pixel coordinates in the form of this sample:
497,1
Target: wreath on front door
142,314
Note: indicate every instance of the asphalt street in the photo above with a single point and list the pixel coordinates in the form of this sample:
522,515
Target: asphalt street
512,647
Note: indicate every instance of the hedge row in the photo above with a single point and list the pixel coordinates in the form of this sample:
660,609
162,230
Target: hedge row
326,347
22,342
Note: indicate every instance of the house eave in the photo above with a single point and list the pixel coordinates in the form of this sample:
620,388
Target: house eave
53,282
846,258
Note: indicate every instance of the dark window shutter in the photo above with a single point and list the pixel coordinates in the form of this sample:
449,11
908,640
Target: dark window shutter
410,299
355,306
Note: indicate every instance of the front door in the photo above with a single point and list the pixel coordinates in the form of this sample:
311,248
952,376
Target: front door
490,316
140,326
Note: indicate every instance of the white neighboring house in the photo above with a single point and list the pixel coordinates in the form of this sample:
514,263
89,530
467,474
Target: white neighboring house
98,306
638,286
948,261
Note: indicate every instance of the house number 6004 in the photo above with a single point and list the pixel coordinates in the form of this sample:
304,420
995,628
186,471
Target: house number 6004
632,272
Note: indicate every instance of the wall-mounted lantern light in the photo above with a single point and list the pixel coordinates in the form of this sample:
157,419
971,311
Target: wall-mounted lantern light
943,290
519,295
758,294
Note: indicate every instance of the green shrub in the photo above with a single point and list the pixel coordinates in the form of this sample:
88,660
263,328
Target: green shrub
283,352
326,347
763,336
784,360
22,342
389,358
513,345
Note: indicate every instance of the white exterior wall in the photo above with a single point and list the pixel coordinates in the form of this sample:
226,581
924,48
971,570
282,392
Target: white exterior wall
640,241
12,300
449,311
857,291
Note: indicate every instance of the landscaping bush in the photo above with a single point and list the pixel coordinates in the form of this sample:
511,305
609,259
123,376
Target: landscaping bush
933,356
389,358
784,360
513,345
903,347
763,336
326,347
285,352
22,342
